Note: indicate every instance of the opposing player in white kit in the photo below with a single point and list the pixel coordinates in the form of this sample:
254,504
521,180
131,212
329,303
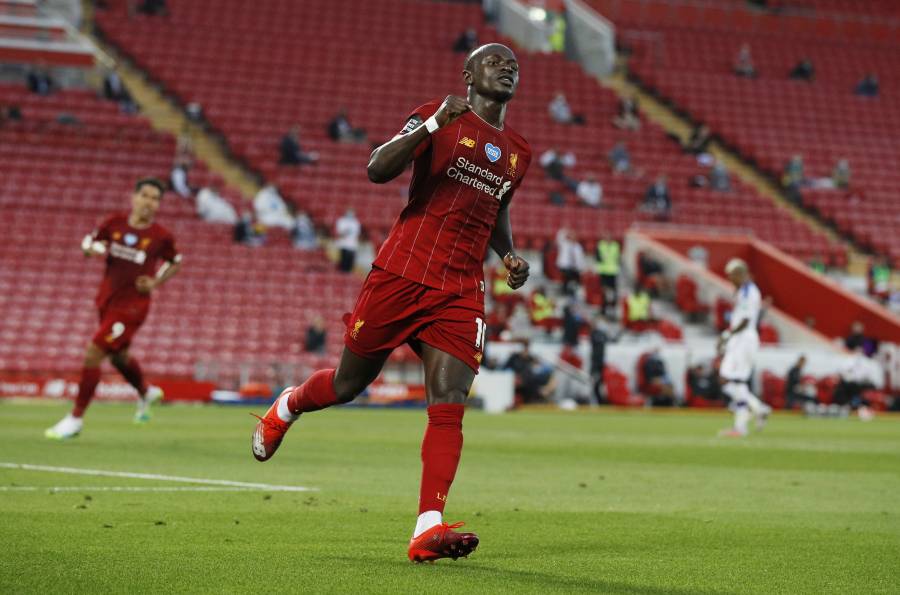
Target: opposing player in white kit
741,342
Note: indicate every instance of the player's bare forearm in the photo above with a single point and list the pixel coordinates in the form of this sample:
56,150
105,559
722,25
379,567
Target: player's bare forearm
501,238
502,243
389,160
166,272
740,327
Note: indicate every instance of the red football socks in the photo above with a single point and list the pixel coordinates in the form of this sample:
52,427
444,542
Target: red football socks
90,377
441,448
314,394
131,371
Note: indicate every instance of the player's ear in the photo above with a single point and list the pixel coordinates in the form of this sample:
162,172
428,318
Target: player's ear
467,77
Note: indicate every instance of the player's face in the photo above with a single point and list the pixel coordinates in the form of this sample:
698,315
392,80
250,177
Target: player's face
738,277
495,74
145,202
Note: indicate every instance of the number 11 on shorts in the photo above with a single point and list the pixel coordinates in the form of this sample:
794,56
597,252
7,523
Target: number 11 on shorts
481,327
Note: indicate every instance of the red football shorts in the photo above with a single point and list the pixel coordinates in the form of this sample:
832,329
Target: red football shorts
118,325
392,310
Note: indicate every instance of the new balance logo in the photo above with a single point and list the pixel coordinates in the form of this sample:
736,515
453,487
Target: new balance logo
467,142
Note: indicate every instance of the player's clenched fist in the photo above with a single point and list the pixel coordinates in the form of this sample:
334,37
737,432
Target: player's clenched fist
518,270
452,108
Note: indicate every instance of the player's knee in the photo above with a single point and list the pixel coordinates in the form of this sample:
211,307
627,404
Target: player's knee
93,356
347,389
454,395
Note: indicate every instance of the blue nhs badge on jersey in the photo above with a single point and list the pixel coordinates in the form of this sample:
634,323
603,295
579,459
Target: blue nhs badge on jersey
492,152
130,239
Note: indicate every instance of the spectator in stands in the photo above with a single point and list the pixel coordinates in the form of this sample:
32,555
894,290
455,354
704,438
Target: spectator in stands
840,176
879,278
855,378
291,151
10,113
178,178
340,130
607,258
868,86
555,164
650,273
703,381
213,208
817,263
315,336
40,81
271,209
698,144
803,71
303,235
603,332
245,232
533,377
573,320
153,7
857,339
589,191
797,391
640,314
718,178
466,42
628,118
347,230
542,309
194,112
657,199
743,63
620,158
114,90
569,260
561,111
794,177
657,385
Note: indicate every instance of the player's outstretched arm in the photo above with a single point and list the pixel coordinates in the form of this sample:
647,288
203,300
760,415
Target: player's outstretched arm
92,247
389,160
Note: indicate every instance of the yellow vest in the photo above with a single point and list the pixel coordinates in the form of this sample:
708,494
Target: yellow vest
501,287
638,307
607,257
543,308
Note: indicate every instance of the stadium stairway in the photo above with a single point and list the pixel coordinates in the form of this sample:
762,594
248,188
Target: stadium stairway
166,114
626,84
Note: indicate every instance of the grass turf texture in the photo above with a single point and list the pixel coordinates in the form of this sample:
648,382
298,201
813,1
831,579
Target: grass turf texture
608,501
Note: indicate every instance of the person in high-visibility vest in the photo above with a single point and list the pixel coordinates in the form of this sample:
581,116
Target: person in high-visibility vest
638,307
608,268
542,307
880,278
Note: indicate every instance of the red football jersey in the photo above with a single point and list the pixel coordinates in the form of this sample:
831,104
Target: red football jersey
132,252
460,174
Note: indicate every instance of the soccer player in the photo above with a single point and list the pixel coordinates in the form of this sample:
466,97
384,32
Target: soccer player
740,342
133,246
426,287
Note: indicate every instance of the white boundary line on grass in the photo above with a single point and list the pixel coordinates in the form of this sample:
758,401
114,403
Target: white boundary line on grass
199,480
123,489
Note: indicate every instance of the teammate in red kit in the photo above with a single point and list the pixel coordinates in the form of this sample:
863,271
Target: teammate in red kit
133,246
426,287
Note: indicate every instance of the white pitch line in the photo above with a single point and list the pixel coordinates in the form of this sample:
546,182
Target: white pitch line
122,489
200,480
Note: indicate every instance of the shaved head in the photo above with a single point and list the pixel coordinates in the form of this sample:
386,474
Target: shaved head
486,50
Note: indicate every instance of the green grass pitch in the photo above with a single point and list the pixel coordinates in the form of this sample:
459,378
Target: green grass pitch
600,502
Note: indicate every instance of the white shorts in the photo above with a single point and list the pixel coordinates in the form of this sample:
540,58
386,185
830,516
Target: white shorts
740,356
